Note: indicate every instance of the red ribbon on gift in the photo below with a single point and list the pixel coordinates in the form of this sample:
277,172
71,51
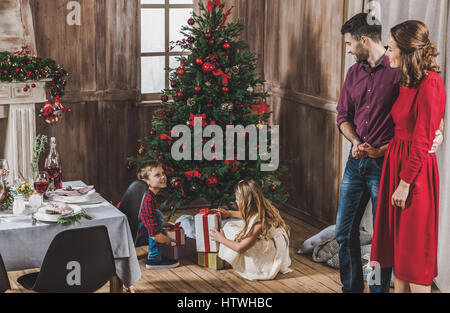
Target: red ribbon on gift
210,6
177,229
206,213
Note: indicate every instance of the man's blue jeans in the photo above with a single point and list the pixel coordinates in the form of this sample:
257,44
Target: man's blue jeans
154,248
360,184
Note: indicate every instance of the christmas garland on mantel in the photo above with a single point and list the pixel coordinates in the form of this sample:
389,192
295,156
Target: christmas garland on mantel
21,67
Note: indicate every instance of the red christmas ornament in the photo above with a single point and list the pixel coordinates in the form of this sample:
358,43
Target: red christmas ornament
208,35
176,184
184,195
197,88
273,188
17,70
199,61
226,46
5,72
164,98
209,105
212,122
25,89
225,89
180,95
33,85
191,39
211,42
161,157
191,21
173,84
152,133
208,67
180,72
212,181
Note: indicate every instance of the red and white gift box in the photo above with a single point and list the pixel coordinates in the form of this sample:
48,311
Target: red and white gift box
205,220
176,232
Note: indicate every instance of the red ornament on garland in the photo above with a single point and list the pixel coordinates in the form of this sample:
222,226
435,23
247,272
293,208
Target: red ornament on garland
191,39
33,85
209,105
25,89
199,61
164,98
212,181
152,133
208,35
177,184
191,21
5,72
273,188
211,42
197,89
225,89
180,95
173,84
184,195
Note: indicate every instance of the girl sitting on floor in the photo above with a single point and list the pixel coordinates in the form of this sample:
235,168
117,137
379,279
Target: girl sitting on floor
256,246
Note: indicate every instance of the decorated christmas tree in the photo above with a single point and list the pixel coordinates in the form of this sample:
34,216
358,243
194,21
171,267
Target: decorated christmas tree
215,85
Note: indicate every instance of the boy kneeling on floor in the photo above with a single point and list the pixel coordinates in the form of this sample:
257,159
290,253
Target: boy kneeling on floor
152,220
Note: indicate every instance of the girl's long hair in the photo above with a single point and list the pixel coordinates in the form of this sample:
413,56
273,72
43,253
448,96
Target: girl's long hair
418,53
251,202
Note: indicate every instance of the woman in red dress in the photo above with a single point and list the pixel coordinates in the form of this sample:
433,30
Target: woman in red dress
406,227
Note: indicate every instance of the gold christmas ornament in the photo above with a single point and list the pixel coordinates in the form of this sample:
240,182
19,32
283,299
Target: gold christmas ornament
141,149
208,84
235,70
191,102
227,106
260,125
250,89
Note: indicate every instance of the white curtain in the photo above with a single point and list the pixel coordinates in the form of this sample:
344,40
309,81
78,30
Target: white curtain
436,15
20,140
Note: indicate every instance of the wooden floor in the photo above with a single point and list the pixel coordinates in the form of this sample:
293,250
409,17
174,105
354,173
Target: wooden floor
307,276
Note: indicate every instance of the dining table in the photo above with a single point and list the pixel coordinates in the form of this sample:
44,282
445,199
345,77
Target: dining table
23,245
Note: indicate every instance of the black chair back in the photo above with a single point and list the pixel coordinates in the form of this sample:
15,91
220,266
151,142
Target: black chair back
4,280
131,205
78,260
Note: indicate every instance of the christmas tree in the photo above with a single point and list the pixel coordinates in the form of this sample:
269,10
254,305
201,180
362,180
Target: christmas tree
215,84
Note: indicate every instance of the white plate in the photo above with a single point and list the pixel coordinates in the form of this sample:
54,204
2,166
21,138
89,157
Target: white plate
77,199
44,217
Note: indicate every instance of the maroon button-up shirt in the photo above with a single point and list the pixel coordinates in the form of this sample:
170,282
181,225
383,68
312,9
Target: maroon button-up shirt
366,101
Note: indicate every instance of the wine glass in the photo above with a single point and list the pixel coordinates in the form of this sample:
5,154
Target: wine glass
41,183
4,169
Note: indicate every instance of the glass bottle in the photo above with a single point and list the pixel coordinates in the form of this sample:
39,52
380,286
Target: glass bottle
53,166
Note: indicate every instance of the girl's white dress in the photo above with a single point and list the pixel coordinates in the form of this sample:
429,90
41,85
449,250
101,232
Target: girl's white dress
264,259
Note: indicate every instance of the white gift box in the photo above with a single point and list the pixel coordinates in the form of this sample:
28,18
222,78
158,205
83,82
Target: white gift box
206,220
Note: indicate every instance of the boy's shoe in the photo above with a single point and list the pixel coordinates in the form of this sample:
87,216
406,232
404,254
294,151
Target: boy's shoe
164,263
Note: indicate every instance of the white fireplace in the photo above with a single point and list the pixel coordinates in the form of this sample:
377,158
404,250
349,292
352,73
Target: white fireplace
18,106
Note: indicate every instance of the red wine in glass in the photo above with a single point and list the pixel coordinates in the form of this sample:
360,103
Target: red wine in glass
41,186
54,173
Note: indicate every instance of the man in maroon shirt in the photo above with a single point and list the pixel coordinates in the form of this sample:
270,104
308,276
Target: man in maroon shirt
364,118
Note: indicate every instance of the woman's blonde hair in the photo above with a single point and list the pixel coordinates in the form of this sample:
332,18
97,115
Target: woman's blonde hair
251,201
418,53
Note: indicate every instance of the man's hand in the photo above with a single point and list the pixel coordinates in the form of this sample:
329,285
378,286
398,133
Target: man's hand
437,141
374,153
357,153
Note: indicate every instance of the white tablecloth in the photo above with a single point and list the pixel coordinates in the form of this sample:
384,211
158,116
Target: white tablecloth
23,246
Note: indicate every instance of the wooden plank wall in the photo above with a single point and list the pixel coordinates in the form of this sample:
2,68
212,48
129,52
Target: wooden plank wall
101,55
301,46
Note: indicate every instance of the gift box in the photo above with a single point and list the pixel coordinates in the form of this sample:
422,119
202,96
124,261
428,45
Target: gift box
176,232
205,220
210,260
180,252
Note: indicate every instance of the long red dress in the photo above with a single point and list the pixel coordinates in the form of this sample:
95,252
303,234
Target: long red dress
407,239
